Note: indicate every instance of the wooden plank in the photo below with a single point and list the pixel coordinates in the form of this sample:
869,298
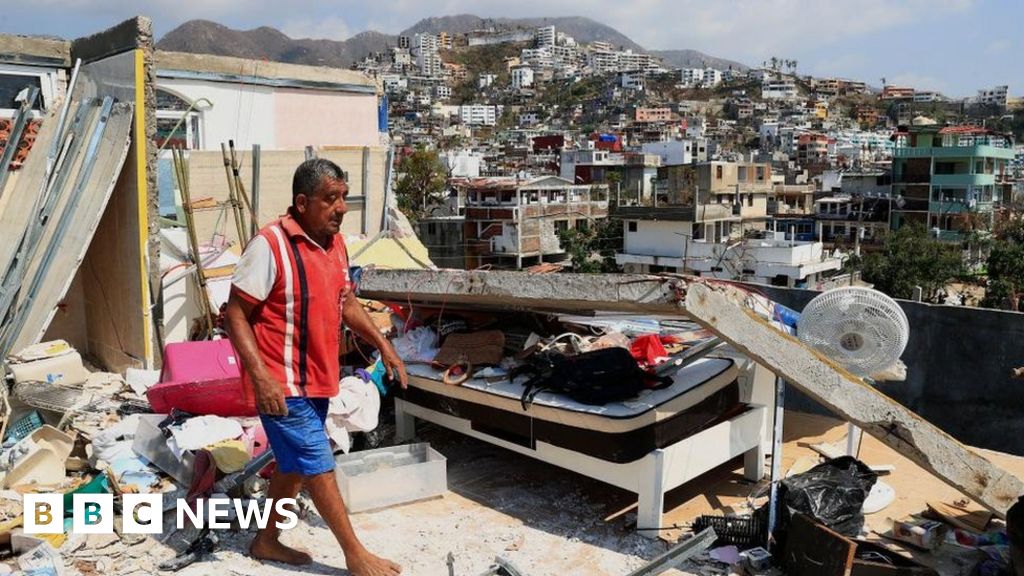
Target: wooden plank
814,550
855,401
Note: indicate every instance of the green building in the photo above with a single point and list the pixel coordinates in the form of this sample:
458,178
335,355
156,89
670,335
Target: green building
953,179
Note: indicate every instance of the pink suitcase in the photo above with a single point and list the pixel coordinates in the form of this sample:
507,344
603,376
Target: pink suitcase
202,378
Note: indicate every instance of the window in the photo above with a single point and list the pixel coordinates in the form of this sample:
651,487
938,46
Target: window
12,84
561,226
631,226
431,228
718,172
177,121
750,199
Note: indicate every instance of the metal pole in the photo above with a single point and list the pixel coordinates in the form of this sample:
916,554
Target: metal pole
14,139
240,188
255,224
186,200
233,203
776,472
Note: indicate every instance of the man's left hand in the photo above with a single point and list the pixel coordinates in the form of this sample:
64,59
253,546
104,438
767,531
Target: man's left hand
394,367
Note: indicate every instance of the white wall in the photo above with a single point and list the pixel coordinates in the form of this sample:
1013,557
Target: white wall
656,238
241,113
672,153
278,118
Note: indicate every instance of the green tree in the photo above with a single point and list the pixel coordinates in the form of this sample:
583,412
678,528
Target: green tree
592,248
421,182
910,257
1006,266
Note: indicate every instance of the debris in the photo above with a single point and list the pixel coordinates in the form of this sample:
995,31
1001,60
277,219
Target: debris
832,493
38,458
726,554
756,559
961,514
52,362
812,549
204,544
920,532
203,431
678,553
879,498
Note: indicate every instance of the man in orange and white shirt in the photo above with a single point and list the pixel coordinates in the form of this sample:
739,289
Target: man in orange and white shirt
290,295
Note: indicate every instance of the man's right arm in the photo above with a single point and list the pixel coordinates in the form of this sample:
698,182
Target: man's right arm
269,395
252,282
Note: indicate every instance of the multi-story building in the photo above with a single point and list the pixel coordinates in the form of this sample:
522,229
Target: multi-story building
852,87
479,114
994,97
691,77
951,179
867,116
632,80
545,36
826,86
404,42
779,89
897,93
742,186
812,151
690,239
485,80
442,92
642,114
636,174
522,77
671,152
444,40
712,77
512,224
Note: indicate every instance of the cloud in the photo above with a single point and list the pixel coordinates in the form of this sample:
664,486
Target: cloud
330,28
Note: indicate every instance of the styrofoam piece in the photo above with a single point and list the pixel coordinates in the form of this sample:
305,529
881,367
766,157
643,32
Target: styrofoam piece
384,477
140,380
39,458
65,368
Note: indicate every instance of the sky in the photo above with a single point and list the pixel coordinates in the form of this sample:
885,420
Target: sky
952,46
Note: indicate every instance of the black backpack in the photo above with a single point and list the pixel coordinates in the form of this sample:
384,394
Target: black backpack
595,378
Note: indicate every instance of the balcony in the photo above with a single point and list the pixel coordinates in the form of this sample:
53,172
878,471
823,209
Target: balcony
963,180
958,207
954,152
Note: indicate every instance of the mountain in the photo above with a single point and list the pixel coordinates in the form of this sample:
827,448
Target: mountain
695,59
582,29
205,37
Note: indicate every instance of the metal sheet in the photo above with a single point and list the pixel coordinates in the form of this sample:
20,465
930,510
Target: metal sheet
65,252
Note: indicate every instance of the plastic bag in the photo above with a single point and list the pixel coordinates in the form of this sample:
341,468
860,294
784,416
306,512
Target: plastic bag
831,493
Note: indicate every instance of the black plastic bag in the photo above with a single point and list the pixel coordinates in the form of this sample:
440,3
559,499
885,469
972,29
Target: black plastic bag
832,493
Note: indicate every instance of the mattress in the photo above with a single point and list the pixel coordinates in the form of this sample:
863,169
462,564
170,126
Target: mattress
701,395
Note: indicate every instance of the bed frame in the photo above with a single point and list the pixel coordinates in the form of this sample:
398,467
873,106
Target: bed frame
747,433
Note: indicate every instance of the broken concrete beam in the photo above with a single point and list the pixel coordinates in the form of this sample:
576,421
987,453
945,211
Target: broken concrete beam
854,400
521,291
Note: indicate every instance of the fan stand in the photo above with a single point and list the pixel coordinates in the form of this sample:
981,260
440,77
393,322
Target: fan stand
853,437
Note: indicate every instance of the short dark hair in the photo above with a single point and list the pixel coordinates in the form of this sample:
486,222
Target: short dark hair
311,173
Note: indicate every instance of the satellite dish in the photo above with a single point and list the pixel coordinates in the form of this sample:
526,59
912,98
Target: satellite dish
862,329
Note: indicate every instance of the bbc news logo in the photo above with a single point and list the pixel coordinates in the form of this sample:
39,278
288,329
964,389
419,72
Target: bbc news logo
144,513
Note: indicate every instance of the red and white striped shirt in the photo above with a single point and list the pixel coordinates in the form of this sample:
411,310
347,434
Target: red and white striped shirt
298,288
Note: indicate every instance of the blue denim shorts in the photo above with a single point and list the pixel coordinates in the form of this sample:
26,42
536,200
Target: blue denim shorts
299,440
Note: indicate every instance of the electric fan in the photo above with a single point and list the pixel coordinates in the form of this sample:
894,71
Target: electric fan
862,329
866,332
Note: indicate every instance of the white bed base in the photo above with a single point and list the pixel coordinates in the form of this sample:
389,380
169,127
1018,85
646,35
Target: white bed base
649,477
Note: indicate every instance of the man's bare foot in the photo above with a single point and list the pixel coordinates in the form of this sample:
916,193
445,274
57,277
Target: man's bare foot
366,564
272,549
